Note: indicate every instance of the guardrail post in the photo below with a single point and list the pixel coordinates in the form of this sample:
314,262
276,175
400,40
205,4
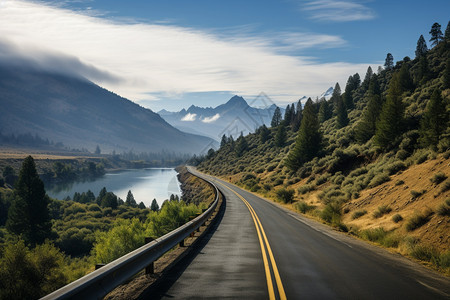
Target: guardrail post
198,214
150,269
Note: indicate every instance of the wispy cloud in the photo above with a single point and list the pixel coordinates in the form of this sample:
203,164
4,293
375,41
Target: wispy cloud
211,119
189,117
141,61
338,11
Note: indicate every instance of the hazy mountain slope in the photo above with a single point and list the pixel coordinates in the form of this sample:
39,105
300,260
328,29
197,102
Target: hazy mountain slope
79,114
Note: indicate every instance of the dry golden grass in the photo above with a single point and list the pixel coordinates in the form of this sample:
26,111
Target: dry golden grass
435,232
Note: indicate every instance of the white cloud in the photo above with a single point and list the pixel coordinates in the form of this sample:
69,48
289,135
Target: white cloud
339,11
211,119
140,61
189,117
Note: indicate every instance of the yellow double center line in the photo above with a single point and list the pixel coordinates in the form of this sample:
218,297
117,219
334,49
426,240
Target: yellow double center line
261,236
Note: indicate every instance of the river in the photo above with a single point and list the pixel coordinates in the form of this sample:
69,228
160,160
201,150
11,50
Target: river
145,184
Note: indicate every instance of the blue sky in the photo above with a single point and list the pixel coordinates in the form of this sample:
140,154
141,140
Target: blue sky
171,54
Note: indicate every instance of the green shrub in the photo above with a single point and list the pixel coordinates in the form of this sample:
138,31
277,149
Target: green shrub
444,260
303,207
399,182
373,235
421,157
416,194
382,210
402,154
379,179
359,214
278,181
444,208
322,179
285,195
358,172
94,207
395,167
332,213
438,178
248,177
445,186
397,218
418,220
305,189
267,187
30,274
422,252
124,237
272,167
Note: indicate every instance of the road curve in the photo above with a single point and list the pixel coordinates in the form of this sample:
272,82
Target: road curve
262,251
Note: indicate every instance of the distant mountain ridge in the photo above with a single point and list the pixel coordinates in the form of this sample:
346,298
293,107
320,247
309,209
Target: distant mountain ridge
80,114
231,118
327,94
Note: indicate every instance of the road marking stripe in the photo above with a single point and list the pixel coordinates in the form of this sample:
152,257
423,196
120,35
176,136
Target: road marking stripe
274,265
266,262
259,228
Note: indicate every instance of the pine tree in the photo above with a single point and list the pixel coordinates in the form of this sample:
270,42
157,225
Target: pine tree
389,62
309,139
109,200
356,81
154,206
348,95
97,150
434,121
366,127
9,175
280,136
436,34
29,214
404,79
325,111
288,113
298,117
224,141
391,121
101,194
276,119
447,32
241,145
336,94
421,48
264,133
366,82
342,117
447,74
130,201
423,72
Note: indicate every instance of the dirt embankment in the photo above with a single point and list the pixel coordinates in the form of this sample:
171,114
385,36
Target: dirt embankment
410,193
194,190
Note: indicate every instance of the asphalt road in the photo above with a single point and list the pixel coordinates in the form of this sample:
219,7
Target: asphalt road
261,251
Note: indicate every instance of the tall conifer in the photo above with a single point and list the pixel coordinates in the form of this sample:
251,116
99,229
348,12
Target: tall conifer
28,214
309,138
434,121
391,122
342,116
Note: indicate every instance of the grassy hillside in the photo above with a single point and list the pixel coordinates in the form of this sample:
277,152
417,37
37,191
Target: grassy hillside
381,167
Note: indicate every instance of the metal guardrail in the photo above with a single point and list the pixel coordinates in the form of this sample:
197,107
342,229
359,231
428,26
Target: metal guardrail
99,283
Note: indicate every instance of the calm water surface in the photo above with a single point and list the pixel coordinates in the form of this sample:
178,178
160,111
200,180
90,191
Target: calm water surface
145,184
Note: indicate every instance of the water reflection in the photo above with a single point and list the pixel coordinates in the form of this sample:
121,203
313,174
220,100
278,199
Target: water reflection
145,184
